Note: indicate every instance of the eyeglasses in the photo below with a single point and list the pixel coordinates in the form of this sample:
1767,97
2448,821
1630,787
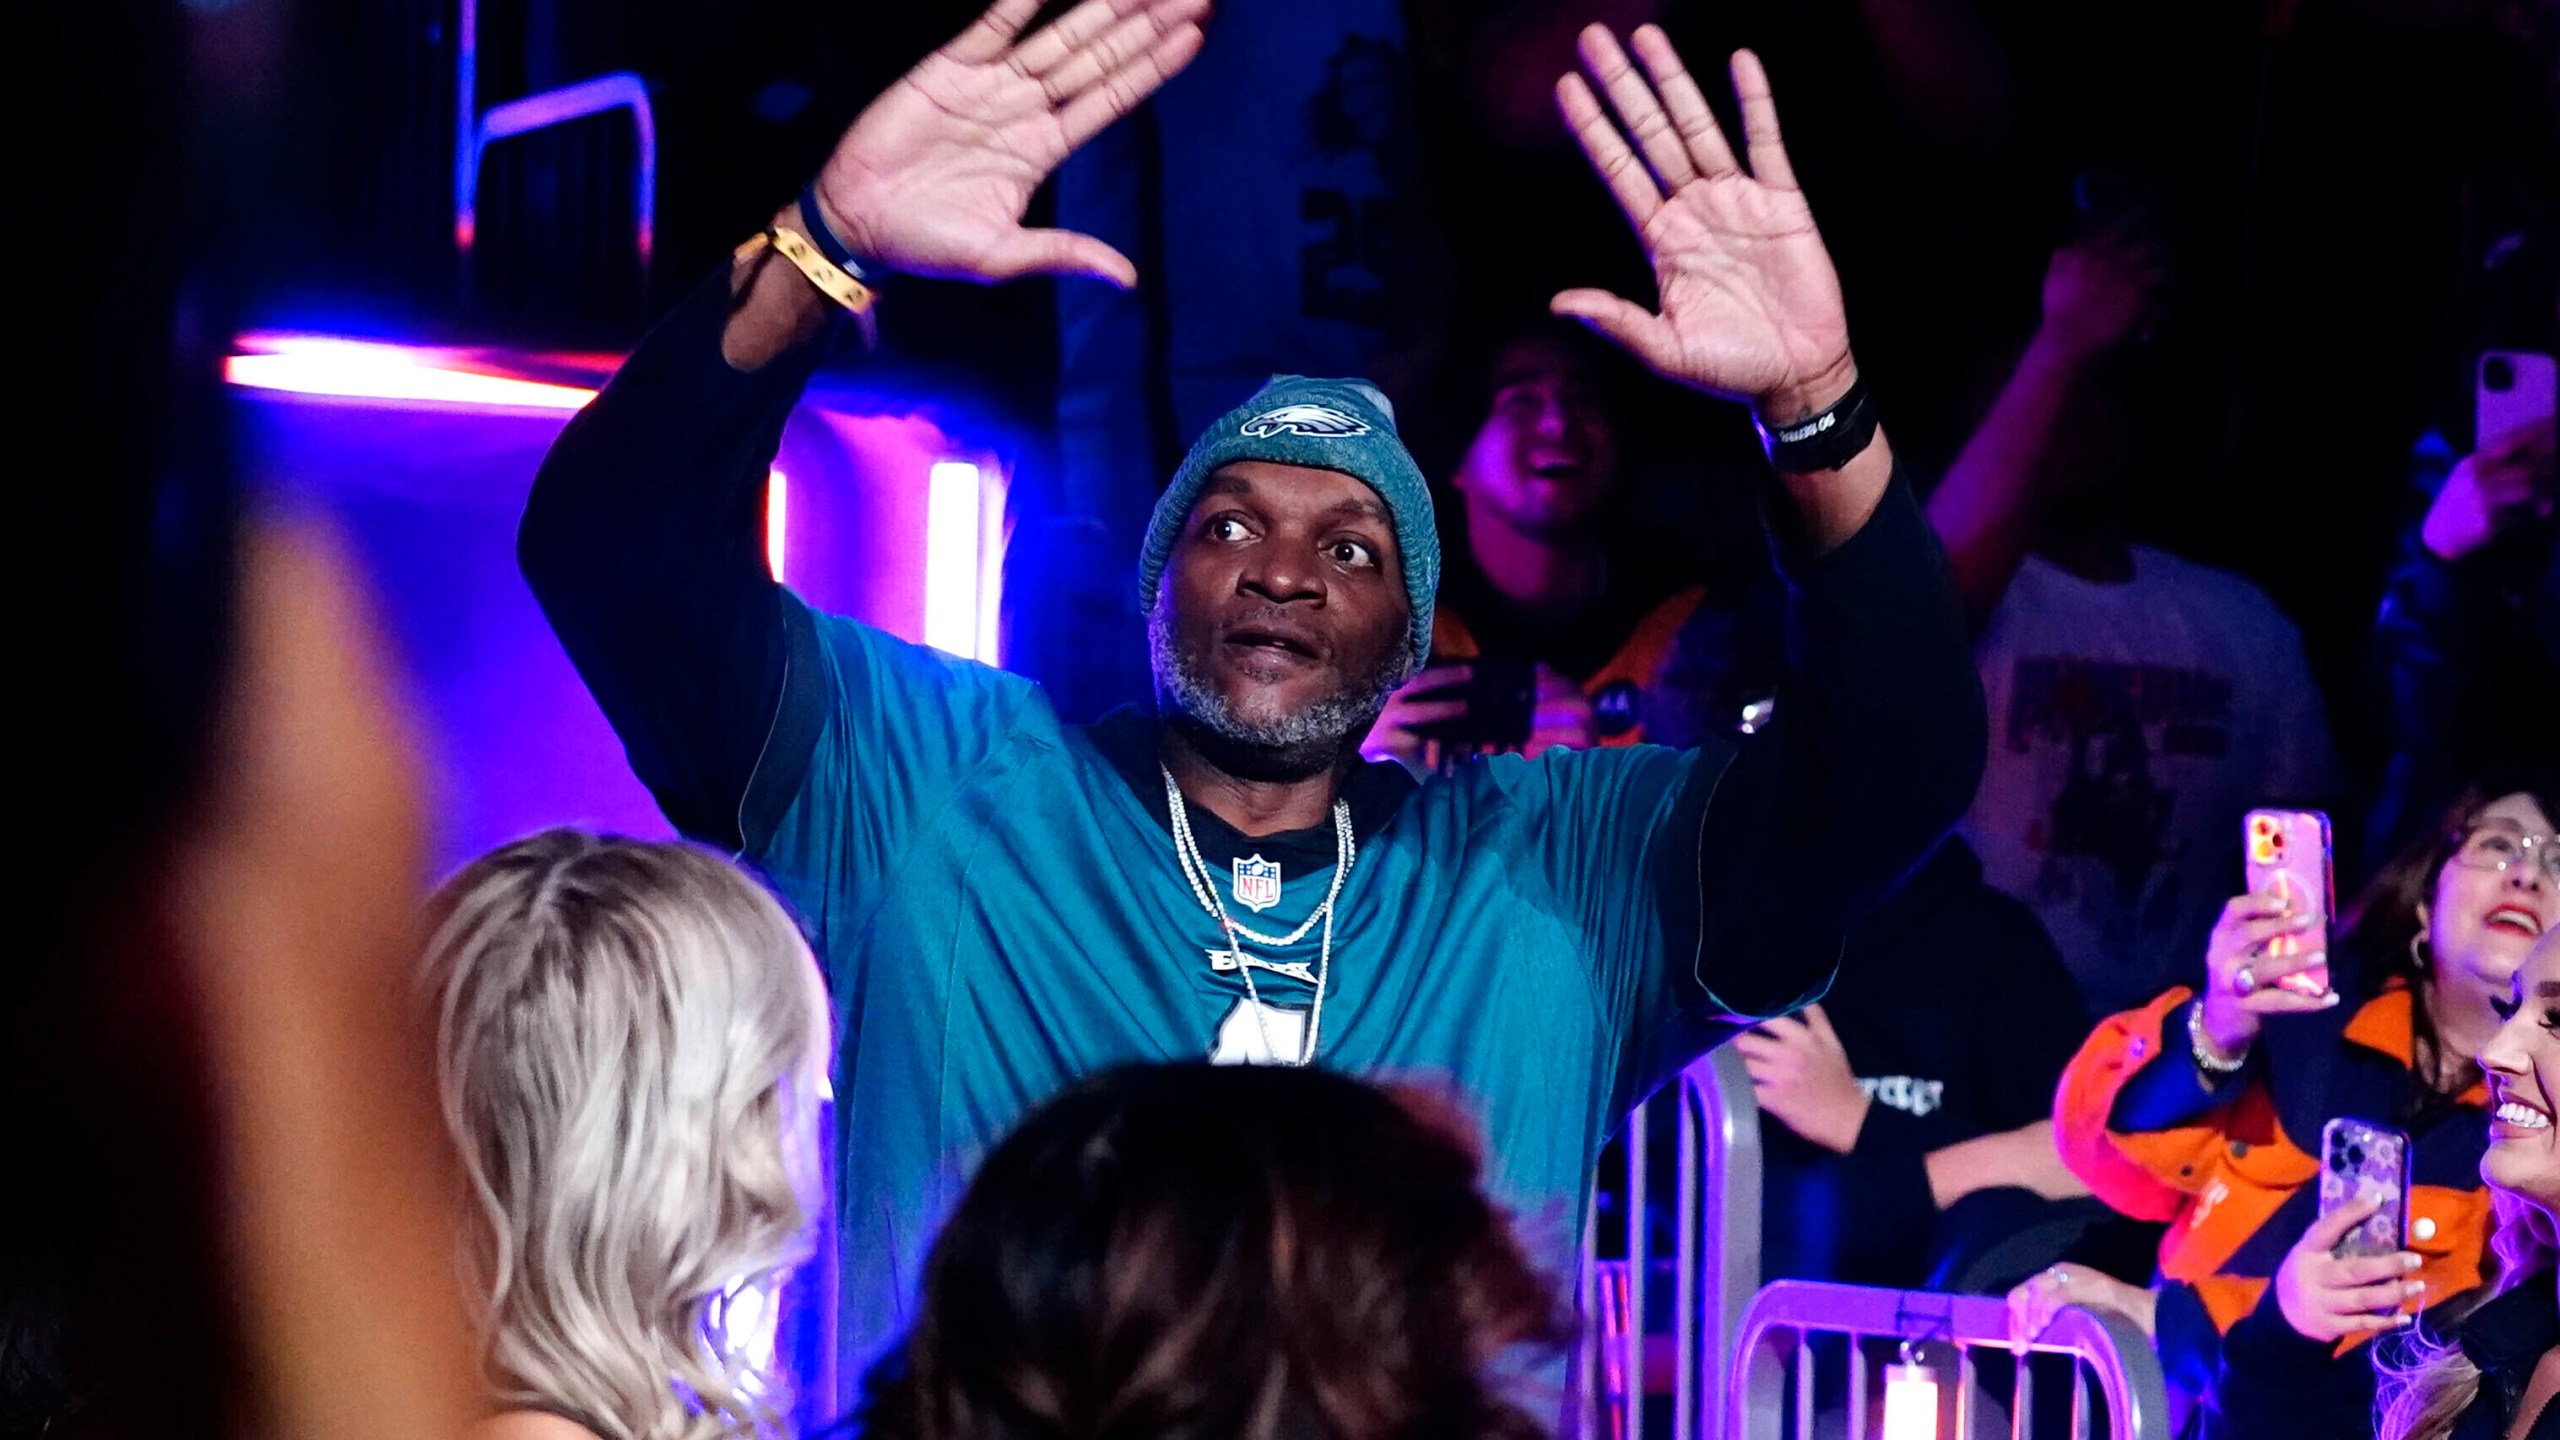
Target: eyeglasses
2487,849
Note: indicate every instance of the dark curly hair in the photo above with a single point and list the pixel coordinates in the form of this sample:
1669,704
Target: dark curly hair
1196,1252
2383,921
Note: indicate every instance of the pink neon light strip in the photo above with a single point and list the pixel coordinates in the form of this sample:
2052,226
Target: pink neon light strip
362,370
951,553
777,524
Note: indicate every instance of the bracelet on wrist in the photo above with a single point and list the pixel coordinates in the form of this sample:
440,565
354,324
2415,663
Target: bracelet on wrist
1825,440
830,279
2208,1056
813,218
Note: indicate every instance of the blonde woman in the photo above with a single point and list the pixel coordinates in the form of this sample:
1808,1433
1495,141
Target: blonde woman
2495,1375
631,1040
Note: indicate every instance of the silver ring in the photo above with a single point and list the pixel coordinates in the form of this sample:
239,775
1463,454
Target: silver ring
2244,981
2060,1277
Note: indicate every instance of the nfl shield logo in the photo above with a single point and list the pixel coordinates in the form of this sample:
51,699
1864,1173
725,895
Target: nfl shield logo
1257,883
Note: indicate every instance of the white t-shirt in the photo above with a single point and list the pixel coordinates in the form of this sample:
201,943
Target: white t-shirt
2133,725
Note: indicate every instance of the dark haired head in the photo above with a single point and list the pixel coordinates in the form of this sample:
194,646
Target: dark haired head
2384,921
2384,918
1221,1253
1447,412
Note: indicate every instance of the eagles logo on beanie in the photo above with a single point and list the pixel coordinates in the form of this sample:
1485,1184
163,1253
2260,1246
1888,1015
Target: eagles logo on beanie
1341,425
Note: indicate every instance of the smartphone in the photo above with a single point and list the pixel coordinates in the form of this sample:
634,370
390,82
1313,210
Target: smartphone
2359,1161
2516,389
1502,698
2287,851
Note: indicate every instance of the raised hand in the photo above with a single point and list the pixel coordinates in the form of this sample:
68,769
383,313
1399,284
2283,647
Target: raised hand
2508,482
2102,290
934,176
2246,935
1750,305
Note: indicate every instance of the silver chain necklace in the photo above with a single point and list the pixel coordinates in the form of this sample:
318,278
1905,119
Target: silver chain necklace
1195,868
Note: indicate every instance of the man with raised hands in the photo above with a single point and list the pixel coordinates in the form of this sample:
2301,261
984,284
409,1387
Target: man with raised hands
1004,902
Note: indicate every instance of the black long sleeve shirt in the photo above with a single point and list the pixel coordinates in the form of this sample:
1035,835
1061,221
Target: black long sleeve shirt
643,541
991,928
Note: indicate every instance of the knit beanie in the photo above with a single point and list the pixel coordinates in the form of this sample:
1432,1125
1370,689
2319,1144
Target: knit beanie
1342,425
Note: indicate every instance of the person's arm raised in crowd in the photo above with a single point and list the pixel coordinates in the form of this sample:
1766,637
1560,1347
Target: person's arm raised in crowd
1880,735
643,535
2097,293
2176,1088
2145,1100
2448,641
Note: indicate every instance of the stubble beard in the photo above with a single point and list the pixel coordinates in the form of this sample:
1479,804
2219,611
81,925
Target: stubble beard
1309,740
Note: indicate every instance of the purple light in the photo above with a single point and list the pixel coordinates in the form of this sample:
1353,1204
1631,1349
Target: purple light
423,455
364,370
951,558
749,1314
963,558
1910,1402
777,523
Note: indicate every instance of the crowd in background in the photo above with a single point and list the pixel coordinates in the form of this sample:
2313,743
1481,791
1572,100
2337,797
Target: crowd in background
2141,705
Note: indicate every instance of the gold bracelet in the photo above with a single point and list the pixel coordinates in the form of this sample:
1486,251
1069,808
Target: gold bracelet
831,281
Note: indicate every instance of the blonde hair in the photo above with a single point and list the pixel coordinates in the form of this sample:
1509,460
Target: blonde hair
2422,1395
630,1037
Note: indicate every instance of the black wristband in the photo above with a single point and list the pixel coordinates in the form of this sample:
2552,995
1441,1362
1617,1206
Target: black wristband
814,220
1826,440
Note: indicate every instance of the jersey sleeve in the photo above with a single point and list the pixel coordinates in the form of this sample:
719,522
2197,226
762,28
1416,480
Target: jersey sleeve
895,732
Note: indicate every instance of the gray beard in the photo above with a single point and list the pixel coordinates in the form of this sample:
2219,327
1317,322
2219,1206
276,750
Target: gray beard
1325,728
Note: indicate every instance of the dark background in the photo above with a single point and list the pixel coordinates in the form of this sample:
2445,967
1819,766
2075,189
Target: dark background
2335,176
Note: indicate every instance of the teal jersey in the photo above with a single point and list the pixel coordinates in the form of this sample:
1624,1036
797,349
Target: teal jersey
995,897
1000,910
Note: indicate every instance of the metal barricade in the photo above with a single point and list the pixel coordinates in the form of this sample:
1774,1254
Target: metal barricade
1774,1332
1716,1262
1730,1337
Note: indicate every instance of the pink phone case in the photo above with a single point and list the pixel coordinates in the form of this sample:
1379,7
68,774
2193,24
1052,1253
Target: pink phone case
2360,1161
2288,851
2514,389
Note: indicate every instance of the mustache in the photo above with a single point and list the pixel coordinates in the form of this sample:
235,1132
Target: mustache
1325,723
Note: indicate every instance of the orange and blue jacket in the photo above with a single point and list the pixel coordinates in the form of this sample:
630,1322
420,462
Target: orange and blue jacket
1634,665
2232,1166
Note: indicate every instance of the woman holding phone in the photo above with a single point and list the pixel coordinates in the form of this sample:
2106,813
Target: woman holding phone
2491,1370
2481,1366
2205,1109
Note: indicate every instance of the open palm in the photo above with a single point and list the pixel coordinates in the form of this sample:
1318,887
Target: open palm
1750,305
934,176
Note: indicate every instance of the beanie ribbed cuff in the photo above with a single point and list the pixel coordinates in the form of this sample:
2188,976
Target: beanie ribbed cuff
1339,425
